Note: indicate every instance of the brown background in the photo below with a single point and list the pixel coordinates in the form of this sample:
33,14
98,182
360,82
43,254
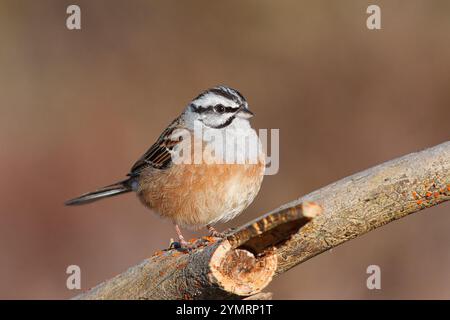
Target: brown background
77,108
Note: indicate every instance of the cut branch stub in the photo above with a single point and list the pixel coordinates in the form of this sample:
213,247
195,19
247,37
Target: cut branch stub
240,265
240,272
272,230
245,261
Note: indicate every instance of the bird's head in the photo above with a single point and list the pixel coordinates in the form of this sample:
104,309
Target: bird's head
218,108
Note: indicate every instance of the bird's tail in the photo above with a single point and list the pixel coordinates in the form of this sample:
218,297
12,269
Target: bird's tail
108,191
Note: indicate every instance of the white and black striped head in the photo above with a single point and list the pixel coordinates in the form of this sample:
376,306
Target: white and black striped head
219,107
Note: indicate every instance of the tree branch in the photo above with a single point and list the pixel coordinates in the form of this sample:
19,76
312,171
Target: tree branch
367,200
243,263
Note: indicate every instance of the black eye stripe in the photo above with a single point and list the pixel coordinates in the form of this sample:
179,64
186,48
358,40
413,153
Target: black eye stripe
200,109
229,109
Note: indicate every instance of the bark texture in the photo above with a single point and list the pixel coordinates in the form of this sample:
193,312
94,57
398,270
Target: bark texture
370,199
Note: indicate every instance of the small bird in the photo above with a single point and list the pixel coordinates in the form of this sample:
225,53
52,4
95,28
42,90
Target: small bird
197,194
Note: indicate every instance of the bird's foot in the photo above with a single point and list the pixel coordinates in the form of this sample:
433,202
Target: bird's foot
183,245
214,233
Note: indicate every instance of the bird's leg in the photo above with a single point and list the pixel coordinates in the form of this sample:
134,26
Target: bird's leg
183,242
214,233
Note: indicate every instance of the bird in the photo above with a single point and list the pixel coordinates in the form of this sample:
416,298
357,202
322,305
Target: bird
195,191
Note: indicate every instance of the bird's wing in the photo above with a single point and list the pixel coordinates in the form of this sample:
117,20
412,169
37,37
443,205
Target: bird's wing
158,156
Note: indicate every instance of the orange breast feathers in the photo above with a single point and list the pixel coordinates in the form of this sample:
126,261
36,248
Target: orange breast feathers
195,195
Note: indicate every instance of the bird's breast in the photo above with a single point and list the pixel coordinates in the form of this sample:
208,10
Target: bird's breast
194,195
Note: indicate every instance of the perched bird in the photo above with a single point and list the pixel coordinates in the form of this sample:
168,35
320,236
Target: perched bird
191,190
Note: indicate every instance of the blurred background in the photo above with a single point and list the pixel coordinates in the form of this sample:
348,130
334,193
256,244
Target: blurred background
77,108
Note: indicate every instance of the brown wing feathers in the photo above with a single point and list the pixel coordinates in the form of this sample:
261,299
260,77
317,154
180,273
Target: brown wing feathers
158,156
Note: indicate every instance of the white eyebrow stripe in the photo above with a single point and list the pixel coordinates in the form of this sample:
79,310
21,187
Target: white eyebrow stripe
211,99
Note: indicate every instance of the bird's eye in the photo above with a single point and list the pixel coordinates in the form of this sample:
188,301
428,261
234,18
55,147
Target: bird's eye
219,108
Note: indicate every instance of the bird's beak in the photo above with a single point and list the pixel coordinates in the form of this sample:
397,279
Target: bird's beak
245,113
